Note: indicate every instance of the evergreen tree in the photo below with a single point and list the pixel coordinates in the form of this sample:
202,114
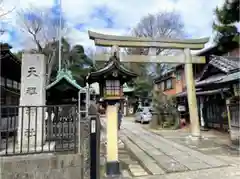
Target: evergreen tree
225,25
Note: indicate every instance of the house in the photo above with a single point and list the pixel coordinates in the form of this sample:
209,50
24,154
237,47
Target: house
173,81
214,84
213,87
10,76
220,63
10,85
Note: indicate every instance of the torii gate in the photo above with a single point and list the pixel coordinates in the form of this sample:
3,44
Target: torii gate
185,58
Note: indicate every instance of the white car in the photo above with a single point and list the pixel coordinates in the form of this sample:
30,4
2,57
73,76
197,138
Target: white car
143,114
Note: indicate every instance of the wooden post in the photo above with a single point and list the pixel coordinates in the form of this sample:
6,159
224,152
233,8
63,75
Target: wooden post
228,115
112,164
191,94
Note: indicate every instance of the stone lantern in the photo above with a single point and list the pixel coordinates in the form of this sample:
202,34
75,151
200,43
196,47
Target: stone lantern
111,79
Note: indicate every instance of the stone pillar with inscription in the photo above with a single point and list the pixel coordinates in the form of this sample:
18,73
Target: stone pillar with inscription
31,129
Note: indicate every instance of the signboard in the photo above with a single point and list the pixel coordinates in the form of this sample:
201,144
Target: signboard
33,95
33,80
93,126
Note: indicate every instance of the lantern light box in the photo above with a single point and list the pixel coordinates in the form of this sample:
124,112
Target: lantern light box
113,88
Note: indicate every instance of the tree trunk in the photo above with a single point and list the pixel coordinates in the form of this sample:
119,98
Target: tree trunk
51,61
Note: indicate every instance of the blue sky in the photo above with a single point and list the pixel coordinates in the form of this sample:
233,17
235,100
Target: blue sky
115,17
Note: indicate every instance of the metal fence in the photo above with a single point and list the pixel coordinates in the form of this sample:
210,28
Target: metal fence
53,129
38,129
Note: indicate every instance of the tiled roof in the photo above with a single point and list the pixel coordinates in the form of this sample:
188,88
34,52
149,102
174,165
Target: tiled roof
204,93
5,46
67,75
165,75
230,77
225,64
210,79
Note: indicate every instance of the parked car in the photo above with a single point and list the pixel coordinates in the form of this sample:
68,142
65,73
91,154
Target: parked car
143,114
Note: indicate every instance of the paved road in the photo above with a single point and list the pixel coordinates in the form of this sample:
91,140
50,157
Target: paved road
165,158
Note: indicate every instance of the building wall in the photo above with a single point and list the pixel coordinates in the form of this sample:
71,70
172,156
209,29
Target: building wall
173,90
234,53
180,84
10,91
177,84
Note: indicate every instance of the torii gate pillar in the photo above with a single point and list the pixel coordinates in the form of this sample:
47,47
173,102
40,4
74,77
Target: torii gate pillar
191,94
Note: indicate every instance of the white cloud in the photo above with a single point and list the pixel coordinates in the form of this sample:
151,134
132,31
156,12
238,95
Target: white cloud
197,15
5,37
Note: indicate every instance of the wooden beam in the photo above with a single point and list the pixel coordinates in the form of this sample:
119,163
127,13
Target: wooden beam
125,41
131,44
180,59
94,35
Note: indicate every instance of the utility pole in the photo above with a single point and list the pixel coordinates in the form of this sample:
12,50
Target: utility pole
60,37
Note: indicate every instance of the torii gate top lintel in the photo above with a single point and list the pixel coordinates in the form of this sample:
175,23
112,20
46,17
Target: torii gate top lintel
127,41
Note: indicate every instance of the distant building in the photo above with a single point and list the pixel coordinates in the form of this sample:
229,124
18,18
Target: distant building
10,76
214,83
10,86
173,81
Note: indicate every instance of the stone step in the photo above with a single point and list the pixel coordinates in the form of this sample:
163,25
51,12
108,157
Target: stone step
137,170
126,174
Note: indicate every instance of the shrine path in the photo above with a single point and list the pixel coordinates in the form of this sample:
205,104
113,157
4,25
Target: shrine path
164,159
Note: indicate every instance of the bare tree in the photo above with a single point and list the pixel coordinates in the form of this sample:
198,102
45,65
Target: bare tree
3,13
99,50
42,26
159,25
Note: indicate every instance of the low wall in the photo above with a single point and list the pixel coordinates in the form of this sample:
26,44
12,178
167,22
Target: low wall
41,166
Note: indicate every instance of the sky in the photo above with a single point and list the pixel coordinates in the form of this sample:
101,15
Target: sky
115,17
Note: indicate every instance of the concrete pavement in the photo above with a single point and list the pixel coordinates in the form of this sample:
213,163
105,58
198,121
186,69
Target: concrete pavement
163,158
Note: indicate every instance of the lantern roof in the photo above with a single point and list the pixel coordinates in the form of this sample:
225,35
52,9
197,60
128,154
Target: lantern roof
127,89
112,65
